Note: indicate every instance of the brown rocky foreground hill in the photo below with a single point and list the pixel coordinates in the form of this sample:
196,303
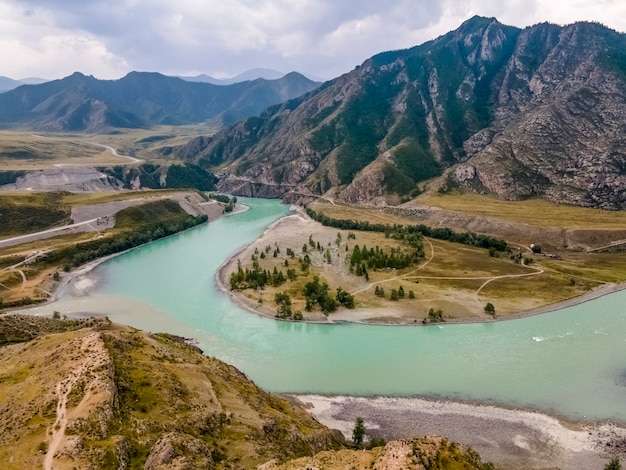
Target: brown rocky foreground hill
95,395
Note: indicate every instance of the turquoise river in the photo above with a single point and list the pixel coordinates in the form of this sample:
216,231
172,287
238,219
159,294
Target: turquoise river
571,362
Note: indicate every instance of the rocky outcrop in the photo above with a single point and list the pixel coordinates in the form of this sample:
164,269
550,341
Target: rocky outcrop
176,451
538,112
560,126
405,454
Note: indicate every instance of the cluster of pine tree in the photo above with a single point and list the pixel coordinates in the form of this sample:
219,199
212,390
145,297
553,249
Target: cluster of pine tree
256,277
396,294
317,293
283,307
376,258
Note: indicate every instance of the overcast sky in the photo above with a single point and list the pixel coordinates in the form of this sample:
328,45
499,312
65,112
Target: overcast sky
322,38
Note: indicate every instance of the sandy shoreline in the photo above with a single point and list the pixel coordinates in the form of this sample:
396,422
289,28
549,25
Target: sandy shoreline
222,277
508,437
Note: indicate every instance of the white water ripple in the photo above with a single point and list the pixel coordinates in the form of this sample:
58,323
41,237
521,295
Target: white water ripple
539,339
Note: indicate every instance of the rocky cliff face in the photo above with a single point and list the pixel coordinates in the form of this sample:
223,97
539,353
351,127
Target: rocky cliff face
559,130
519,113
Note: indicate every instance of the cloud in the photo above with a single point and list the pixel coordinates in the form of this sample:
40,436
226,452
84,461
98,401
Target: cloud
53,38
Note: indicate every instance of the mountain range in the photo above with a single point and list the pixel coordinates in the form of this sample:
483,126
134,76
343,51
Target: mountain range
7,84
534,112
252,74
84,103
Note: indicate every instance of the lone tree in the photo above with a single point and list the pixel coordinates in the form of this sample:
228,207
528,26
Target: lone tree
358,433
613,464
490,309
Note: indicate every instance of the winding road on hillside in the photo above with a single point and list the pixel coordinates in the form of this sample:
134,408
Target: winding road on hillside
114,152
132,160
85,226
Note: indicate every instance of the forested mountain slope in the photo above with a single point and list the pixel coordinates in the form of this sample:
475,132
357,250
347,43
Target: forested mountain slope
519,113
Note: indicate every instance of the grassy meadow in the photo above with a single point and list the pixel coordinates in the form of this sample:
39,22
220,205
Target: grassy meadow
537,212
28,151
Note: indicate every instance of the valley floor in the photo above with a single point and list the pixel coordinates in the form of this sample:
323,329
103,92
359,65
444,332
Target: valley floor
90,223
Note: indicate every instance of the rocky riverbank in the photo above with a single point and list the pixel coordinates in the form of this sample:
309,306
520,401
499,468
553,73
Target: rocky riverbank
510,438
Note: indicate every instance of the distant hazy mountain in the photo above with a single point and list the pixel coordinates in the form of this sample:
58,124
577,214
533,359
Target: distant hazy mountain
7,84
203,78
521,113
82,103
253,74
33,80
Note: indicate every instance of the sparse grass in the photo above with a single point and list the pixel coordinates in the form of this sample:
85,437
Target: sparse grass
20,328
537,212
27,405
24,249
166,385
26,212
455,260
374,216
149,214
82,199
28,151
9,279
602,267
546,288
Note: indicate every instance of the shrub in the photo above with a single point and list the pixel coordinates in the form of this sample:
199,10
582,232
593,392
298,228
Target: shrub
435,315
613,464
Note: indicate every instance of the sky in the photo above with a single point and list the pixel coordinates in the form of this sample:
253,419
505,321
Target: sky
222,38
